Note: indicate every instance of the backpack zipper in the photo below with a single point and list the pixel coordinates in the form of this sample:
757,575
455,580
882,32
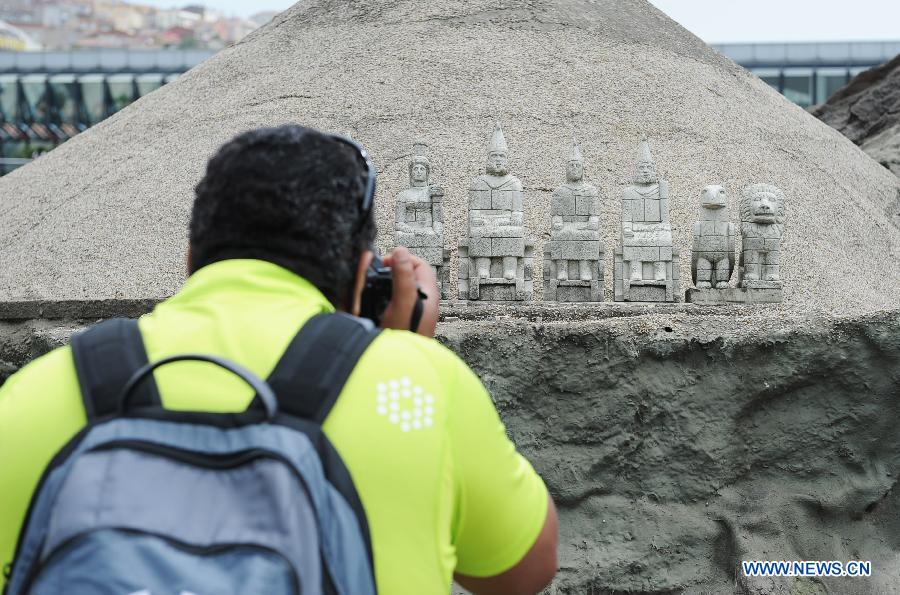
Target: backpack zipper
198,550
215,461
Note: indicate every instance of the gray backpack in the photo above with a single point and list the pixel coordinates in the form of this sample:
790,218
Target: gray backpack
146,501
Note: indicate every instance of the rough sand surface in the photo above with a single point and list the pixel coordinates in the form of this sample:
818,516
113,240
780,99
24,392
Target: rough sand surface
105,215
674,452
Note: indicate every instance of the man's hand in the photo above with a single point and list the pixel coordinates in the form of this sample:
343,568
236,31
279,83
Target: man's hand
411,273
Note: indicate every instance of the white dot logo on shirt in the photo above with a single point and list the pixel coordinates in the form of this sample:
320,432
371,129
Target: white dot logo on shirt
404,404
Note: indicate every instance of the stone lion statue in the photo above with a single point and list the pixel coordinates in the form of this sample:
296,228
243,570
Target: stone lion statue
762,225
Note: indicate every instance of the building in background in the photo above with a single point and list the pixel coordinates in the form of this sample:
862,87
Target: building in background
809,73
14,39
67,24
47,98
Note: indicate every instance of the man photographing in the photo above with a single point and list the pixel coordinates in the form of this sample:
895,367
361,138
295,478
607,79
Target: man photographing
280,232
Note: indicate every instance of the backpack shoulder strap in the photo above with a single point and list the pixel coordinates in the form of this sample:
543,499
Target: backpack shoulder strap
106,356
313,370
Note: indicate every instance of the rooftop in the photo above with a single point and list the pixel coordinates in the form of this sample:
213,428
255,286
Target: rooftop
856,53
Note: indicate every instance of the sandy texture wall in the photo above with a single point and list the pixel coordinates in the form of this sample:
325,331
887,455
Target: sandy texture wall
679,443
675,450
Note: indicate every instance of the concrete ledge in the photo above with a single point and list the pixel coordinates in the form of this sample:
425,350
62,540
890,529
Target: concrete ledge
583,311
734,295
450,310
74,309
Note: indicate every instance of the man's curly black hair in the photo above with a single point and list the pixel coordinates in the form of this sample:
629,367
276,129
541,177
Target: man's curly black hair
288,195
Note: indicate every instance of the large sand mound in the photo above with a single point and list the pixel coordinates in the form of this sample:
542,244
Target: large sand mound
105,215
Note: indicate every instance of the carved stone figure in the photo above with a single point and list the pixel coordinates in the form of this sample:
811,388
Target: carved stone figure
646,267
419,222
712,261
759,278
762,224
495,260
573,261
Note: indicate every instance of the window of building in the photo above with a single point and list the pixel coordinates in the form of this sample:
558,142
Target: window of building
121,89
93,93
798,85
829,80
147,83
37,100
8,97
65,99
771,76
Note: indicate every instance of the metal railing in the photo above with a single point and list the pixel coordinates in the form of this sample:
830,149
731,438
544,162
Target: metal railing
839,54
101,60
7,164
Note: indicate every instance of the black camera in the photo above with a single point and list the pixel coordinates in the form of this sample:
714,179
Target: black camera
377,292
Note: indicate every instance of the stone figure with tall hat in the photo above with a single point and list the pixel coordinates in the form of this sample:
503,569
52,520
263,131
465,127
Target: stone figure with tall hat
419,221
573,260
646,268
495,260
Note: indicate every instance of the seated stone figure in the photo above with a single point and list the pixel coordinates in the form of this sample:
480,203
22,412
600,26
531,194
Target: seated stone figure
419,222
762,225
573,262
646,264
712,261
496,247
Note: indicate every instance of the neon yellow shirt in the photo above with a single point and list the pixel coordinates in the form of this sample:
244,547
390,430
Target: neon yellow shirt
443,489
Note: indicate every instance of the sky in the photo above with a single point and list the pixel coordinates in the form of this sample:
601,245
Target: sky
241,8
718,21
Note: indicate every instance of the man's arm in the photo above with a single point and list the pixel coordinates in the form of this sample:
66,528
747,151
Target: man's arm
505,527
505,505
411,274
533,572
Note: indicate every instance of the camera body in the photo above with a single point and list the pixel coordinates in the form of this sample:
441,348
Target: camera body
377,292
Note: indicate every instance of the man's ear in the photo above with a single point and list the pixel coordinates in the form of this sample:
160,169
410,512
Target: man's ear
189,260
365,259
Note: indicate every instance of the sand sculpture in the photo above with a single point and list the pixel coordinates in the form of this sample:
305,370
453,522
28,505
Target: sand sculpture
573,260
712,259
646,266
762,224
419,222
495,260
